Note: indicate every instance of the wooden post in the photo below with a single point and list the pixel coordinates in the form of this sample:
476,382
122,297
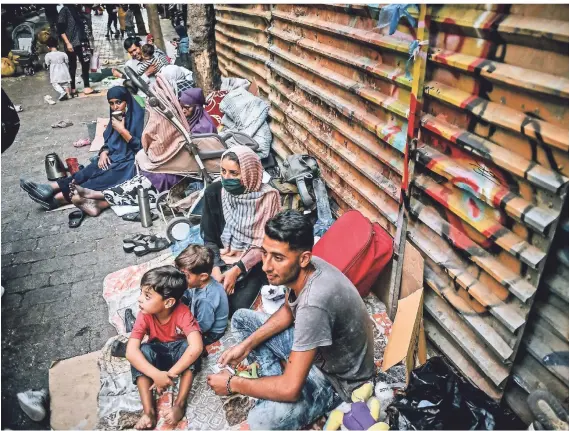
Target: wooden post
154,24
201,30
413,127
140,27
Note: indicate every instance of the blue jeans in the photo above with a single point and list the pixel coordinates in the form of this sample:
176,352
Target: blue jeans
162,355
317,397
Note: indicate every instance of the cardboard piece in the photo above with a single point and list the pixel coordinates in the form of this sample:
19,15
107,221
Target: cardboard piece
254,88
405,334
73,391
99,141
412,274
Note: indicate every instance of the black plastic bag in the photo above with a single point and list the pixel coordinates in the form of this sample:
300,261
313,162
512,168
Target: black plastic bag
437,398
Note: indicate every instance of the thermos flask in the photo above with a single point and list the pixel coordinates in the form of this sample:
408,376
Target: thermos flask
144,207
54,168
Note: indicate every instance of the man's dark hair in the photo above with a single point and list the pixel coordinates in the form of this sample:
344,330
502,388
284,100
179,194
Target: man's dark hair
51,42
293,228
166,281
129,41
148,50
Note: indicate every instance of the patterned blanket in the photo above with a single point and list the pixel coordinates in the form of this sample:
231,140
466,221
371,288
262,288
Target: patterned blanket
119,401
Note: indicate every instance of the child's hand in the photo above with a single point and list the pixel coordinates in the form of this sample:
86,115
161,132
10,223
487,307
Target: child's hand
162,380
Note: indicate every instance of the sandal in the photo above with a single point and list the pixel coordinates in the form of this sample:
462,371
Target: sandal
76,218
136,217
138,240
153,245
92,92
62,124
82,143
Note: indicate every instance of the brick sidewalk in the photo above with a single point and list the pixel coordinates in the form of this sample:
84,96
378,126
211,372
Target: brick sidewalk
53,306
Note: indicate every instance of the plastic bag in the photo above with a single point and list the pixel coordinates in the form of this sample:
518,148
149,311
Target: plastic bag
437,398
391,14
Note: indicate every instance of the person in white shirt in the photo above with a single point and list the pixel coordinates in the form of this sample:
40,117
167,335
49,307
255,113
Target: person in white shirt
58,64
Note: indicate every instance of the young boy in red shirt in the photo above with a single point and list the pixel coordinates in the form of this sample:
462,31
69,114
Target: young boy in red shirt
174,343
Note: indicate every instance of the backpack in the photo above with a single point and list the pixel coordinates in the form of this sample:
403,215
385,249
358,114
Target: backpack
357,247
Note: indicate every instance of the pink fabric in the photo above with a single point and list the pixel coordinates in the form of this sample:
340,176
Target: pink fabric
160,140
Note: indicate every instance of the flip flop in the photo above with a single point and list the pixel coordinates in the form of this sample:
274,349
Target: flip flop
154,245
62,124
76,218
138,240
136,217
92,92
82,143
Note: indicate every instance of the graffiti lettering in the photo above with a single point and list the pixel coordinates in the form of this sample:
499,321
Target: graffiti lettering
483,170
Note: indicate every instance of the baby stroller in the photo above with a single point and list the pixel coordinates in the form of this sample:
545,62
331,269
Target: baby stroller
25,39
196,157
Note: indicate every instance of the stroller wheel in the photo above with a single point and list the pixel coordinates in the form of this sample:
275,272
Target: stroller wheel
178,229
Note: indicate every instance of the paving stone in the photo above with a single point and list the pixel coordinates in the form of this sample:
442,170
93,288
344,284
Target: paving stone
46,294
71,276
29,282
51,265
32,256
11,301
76,248
19,246
12,272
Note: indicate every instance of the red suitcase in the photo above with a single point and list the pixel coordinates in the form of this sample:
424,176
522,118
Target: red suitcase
358,248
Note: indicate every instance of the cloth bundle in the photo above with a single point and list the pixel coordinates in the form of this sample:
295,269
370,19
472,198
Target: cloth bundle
247,114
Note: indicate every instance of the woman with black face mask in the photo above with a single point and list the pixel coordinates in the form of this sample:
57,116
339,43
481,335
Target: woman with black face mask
233,224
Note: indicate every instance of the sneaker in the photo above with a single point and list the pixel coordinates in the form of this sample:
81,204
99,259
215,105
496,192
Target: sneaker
33,404
62,97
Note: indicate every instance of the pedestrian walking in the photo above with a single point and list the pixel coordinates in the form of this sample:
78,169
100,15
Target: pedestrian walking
58,64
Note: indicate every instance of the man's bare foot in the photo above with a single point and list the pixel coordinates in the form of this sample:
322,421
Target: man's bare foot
174,415
89,206
146,422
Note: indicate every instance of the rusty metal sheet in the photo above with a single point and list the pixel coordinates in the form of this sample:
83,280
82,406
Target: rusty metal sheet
493,160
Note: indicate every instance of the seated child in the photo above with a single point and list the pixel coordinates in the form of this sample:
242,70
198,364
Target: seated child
151,56
207,298
174,343
58,64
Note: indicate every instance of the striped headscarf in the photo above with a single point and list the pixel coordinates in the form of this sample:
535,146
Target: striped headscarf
246,214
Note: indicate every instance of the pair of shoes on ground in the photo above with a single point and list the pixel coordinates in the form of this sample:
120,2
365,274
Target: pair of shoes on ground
43,194
34,403
143,244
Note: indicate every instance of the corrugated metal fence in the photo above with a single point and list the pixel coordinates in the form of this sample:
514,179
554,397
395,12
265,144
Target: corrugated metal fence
493,151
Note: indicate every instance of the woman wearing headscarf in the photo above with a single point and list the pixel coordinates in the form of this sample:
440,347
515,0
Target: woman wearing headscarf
116,158
235,212
192,102
179,78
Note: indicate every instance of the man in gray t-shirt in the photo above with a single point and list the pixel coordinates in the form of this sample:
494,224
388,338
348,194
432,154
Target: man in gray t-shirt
322,335
329,315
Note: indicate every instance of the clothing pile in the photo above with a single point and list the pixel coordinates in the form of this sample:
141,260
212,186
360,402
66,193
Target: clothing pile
246,113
